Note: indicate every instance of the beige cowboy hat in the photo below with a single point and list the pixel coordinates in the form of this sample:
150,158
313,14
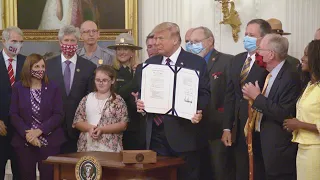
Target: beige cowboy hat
124,40
276,26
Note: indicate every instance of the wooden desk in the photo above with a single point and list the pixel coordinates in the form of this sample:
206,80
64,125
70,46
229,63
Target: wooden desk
114,169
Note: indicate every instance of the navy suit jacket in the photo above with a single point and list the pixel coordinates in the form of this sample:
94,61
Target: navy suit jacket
181,134
82,85
5,87
51,114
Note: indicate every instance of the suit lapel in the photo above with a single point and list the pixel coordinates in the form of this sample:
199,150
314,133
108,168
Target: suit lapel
76,77
277,82
18,68
26,95
60,76
43,101
3,68
213,59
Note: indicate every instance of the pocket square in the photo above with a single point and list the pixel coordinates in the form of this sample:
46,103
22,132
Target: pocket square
216,75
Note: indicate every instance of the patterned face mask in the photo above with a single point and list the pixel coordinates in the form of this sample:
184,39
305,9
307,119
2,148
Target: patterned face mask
68,49
38,74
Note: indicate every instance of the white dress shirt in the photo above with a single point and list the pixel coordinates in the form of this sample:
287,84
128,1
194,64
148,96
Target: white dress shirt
72,66
14,62
173,57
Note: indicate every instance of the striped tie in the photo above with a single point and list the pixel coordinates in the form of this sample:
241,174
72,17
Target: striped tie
158,118
245,71
10,72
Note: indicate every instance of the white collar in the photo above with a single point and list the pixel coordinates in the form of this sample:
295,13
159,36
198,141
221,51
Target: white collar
174,56
73,59
6,57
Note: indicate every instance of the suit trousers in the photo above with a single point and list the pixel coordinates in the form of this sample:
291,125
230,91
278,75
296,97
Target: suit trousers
6,154
29,156
222,160
242,157
191,169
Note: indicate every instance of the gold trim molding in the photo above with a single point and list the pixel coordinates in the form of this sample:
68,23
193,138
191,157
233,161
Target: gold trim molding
10,18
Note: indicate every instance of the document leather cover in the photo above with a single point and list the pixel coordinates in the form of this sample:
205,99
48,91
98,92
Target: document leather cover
171,90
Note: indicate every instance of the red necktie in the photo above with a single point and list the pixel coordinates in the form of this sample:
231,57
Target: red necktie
158,118
10,72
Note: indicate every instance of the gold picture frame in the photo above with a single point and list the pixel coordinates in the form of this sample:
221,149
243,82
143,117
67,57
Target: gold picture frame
10,18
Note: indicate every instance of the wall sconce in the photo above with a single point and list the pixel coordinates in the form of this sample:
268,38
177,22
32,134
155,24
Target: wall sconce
231,17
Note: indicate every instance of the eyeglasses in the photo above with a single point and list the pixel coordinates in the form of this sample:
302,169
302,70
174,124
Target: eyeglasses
103,81
196,42
93,31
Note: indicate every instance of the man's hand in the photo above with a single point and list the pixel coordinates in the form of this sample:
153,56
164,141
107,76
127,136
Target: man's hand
226,138
251,91
3,129
197,117
32,134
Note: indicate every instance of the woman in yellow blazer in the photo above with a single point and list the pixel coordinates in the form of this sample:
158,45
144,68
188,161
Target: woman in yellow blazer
306,125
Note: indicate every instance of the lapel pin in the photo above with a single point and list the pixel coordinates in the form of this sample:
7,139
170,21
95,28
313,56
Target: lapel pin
78,70
45,88
213,59
181,63
100,61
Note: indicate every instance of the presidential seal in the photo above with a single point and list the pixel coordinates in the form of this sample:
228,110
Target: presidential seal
88,168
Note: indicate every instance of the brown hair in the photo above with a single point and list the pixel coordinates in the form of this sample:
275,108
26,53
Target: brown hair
109,71
26,70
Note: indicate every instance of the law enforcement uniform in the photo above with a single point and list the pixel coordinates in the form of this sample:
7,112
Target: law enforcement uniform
99,57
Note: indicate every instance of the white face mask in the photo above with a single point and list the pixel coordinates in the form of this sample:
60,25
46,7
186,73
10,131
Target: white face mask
13,48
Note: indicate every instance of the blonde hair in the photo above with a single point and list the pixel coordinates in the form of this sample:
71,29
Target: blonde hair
173,28
116,64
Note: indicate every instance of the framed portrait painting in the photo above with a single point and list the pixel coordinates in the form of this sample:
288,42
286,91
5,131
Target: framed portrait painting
41,19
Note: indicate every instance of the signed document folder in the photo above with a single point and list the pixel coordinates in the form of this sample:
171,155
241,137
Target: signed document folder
171,90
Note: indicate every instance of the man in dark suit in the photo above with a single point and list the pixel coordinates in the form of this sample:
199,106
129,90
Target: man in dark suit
275,103
74,75
173,136
244,69
11,63
202,43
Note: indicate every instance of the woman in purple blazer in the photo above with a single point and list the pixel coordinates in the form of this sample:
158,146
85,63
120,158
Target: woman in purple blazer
36,115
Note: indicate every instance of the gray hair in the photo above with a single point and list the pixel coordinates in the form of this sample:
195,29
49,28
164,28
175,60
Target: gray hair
278,44
6,32
69,30
207,32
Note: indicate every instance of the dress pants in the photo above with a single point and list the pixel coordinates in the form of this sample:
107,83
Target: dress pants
242,157
29,156
191,169
222,160
70,146
7,153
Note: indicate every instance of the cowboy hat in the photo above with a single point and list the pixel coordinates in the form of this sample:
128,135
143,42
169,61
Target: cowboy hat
276,26
124,40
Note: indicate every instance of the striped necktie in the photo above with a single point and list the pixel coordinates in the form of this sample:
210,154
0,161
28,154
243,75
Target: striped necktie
245,71
158,118
10,72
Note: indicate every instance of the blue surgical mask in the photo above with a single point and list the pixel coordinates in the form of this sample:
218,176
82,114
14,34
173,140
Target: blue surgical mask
188,46
250,43
196,48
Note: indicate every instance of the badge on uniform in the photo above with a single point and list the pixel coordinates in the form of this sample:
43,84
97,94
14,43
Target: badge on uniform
100,61
120,80
122,40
